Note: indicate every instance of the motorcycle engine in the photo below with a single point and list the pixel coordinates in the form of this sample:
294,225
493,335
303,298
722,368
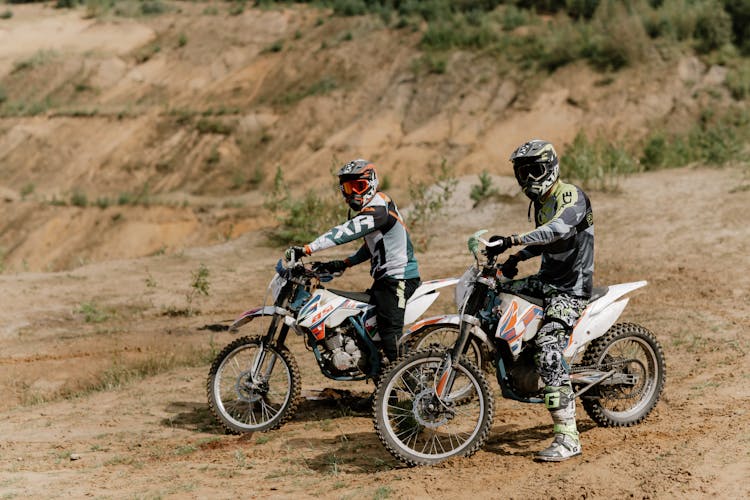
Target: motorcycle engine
342,352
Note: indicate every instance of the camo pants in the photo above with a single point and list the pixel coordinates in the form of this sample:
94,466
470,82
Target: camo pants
561,312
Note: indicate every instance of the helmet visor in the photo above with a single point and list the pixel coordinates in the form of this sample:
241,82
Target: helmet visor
531,172
355,186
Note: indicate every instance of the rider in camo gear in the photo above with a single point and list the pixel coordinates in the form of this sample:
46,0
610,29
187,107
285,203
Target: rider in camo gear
387,245
564,237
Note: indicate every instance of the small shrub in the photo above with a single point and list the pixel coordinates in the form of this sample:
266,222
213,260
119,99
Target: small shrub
615,37
79,199
349,7
102,202
484,190
92,313
301,219
595,165
321,87
6,14
3,95
27,189
713,27
182,40
738,81
276,46
428,201
153,7
40,58
199,285
206,126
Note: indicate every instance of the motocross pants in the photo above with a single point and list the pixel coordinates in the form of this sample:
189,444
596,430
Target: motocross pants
561,312
389,296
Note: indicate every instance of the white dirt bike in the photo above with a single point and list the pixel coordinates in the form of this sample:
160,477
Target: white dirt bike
254,383
435,403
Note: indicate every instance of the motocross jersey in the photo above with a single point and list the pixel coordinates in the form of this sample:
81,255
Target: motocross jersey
564,237
387,242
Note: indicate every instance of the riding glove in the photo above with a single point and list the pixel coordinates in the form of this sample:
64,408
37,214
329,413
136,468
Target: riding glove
334,266
507,241
509,268
294,253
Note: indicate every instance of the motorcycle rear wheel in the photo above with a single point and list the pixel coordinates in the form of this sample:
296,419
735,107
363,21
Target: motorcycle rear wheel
416,426
242,403
634,352
445,336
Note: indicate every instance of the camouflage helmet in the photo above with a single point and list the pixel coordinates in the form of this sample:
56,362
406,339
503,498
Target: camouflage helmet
358,182
536,167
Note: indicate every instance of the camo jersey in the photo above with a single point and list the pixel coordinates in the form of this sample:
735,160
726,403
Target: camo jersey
564,237
387,243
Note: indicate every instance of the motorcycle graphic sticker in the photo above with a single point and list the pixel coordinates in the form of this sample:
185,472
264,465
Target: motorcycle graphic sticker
511,329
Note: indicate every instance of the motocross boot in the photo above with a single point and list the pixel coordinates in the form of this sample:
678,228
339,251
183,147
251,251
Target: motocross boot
560,401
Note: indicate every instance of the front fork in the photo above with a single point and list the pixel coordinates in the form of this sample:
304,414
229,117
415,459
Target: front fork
259,378
468,323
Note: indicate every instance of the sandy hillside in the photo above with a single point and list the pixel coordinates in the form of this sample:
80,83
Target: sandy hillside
125,136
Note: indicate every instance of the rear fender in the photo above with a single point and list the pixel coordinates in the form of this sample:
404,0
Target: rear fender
423,298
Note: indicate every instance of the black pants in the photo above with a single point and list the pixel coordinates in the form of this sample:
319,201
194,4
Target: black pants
389,296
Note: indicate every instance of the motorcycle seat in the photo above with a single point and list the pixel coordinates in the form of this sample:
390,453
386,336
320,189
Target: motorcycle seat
358,296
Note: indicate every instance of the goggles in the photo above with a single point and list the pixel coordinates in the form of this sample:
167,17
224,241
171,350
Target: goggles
531,172
355,186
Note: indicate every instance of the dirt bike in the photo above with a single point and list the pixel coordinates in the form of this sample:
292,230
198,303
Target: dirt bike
254,382
435,403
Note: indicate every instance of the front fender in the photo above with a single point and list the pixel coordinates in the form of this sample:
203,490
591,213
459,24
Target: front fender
251,314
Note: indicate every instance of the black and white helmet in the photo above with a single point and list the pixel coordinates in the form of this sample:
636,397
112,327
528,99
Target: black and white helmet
358,181
536,167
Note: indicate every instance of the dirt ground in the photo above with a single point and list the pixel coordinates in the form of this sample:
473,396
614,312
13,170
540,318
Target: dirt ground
129,434
104,349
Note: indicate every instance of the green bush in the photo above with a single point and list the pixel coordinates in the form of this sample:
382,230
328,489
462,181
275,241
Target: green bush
738,80
715,140
739,11
458,34
484,190
616,37
596,165
713,27
301,219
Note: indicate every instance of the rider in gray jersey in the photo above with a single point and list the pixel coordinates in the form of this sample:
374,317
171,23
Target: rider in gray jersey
564,237
387,246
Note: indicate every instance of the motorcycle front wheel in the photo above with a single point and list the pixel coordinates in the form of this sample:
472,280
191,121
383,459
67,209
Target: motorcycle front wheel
636,386
252,389
444,337
420,428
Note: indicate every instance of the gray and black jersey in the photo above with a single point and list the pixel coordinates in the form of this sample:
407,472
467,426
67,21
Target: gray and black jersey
564,237
387,243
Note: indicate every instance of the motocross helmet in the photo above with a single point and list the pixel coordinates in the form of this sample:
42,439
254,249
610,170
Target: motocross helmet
358,181
536,167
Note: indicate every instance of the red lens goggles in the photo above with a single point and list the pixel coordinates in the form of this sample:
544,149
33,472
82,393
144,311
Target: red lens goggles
356,186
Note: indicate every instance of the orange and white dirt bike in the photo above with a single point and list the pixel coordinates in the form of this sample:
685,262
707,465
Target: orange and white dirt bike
435,403
254,382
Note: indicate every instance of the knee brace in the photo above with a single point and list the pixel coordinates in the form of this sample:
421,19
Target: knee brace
560,401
